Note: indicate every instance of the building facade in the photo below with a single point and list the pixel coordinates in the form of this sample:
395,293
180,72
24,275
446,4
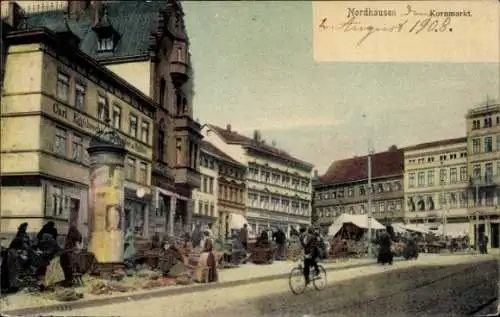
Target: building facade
145,43
436,181
54,100
206,196
483,151
344,187
278,185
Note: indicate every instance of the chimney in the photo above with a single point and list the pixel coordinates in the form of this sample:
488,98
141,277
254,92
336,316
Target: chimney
15,15
256,135
228,128
76,7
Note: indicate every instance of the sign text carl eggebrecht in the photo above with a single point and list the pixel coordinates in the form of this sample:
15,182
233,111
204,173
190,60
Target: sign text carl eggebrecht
369,12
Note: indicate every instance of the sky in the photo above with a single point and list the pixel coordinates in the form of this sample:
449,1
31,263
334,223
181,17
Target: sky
254,69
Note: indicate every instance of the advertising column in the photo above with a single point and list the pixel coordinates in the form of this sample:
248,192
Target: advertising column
107,158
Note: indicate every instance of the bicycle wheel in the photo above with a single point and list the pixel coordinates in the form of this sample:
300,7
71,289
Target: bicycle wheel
297,281
319,281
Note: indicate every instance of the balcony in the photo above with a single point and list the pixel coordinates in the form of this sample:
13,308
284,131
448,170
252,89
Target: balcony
188,176
485,180
179,73
186,123
162,169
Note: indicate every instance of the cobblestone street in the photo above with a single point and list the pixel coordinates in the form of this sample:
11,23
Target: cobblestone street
248,299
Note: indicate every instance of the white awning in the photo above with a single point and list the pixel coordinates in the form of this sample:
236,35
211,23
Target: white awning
360,221
236,221
453,229
416,228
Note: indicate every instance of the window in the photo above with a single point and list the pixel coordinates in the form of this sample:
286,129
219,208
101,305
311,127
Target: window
117,117
488,172
77,148
143,172
160,146
211,185
453,175
105,44
350,192
476,170
60,142
144,132
411,179
206,209
430,178
362,190
62,86
476,145
488,122
130,169
200,207
80,96
57,201
133,126
442,176
476,124
381,207
488,144
180,54
463,173
498,142
212,210
421,178
205,184
102,108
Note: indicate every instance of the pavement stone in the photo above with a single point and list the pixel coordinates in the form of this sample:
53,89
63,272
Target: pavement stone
207,303
243,275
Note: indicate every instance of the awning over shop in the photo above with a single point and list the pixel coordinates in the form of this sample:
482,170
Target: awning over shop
236,221
360,221
453,229
416,228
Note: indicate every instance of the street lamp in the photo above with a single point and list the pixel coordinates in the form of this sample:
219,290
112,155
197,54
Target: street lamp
369,196
444,207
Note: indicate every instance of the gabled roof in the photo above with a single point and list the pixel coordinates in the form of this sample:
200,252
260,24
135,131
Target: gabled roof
439,143
213,150
136,22
232,137
384,164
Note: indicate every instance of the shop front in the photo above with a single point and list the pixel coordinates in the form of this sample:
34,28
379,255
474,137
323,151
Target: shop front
136,211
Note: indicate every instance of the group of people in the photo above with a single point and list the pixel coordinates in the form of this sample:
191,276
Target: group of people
28,259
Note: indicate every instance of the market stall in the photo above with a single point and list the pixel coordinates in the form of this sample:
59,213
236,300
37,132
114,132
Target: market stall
347,233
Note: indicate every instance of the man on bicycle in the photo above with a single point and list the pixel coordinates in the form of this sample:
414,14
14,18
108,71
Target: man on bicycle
309,243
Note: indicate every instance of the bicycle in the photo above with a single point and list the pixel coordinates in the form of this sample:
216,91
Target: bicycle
298,272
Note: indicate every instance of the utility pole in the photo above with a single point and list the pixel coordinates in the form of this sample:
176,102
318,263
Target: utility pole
444,207
370,215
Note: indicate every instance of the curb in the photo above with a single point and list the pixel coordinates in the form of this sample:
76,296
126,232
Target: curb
158,293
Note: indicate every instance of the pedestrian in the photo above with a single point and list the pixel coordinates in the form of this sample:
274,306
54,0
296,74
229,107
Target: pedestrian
484,245
244,236
280,239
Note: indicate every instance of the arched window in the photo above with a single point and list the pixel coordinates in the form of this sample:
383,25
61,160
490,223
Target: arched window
184,105
161,101
160,146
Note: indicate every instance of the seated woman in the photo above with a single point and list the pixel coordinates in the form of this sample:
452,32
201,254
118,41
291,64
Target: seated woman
67,259
202,261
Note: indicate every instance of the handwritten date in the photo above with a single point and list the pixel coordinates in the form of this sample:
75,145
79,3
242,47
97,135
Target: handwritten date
415,27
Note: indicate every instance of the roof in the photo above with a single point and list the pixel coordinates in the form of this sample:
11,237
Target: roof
439,143
212,149
232,137
384,164
135,21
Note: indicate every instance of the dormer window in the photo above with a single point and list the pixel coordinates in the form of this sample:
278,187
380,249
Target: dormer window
106,44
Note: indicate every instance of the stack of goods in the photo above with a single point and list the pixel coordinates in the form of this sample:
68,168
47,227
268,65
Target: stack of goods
338,248
397,248
294,251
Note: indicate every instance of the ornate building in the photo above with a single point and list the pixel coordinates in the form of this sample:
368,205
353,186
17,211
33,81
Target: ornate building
483,148
145,43
225,191
343,188
436,183
55,99
278,184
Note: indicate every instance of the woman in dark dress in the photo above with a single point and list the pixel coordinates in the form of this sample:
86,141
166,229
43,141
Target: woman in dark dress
66,259
385,240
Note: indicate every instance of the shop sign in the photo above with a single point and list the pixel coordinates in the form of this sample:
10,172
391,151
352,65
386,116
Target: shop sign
92,126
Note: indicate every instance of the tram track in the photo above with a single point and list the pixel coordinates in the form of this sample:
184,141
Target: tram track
421,285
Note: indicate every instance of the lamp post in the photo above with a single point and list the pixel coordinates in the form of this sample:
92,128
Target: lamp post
444,207
369,203
477,214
